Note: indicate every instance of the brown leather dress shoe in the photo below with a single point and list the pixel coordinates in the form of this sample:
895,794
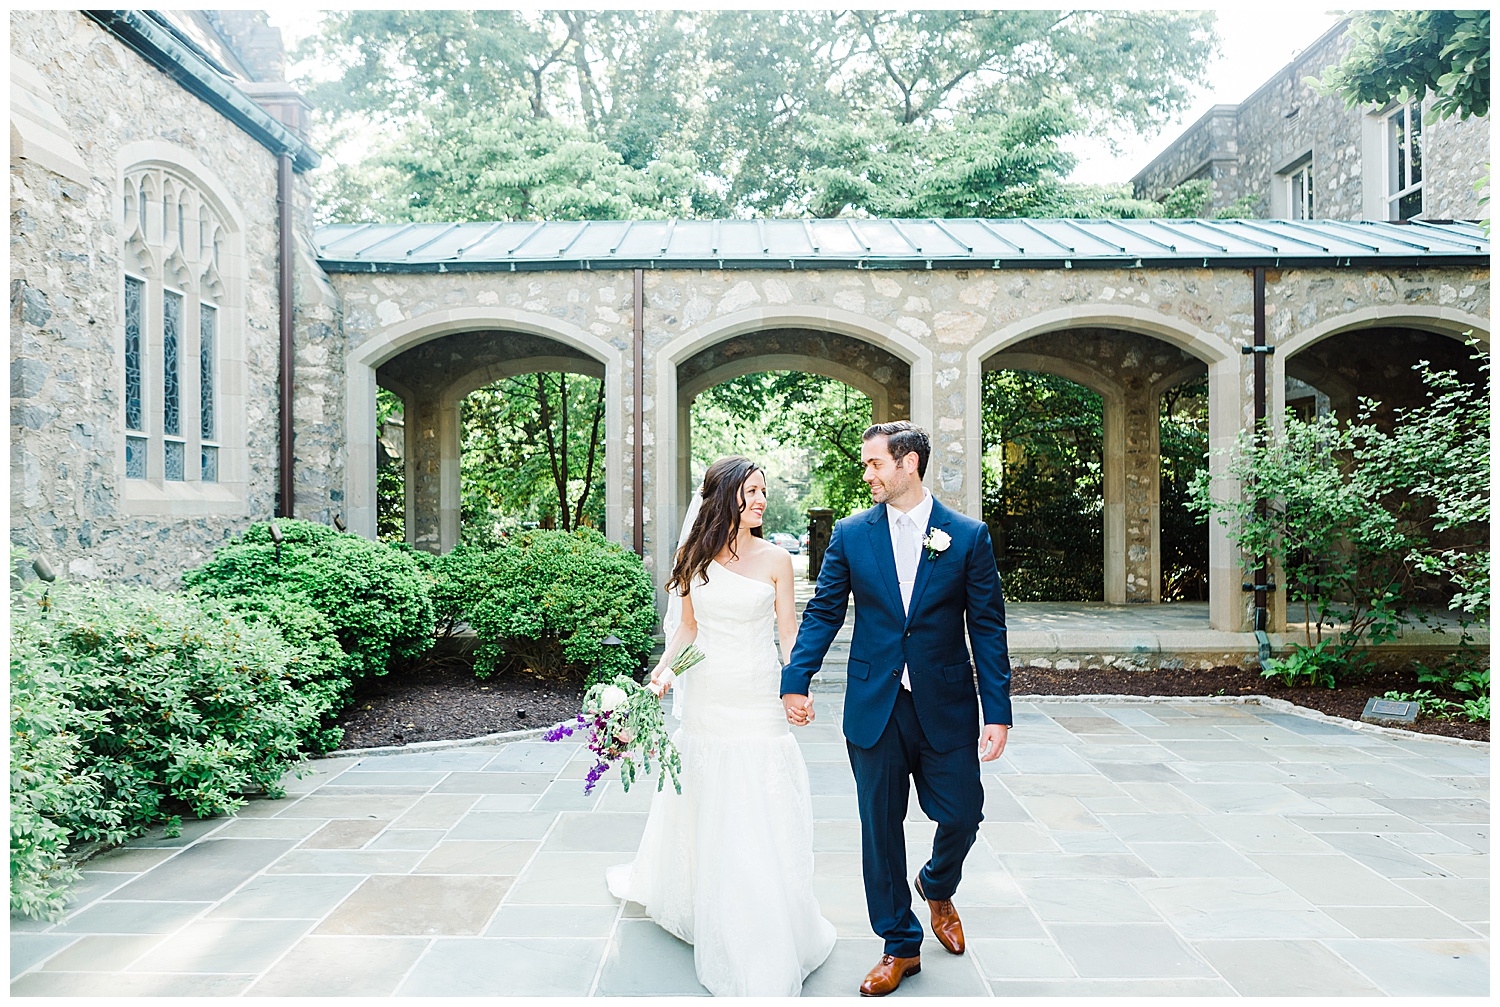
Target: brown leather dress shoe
945,923
885,977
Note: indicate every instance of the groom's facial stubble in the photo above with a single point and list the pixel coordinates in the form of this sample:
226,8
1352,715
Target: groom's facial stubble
891,482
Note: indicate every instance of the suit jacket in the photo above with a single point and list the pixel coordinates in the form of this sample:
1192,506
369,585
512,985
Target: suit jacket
958,583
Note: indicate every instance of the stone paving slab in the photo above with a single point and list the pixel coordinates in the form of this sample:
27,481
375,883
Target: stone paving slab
1168,848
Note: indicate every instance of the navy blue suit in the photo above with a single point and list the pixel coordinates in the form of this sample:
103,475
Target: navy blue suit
928,735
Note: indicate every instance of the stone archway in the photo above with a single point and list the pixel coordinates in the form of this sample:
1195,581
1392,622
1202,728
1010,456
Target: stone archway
447,354
875,372
1195,348
889,365
434,378
1129,371
1340,373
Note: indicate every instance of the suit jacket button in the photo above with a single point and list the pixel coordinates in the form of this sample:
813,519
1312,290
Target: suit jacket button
896,673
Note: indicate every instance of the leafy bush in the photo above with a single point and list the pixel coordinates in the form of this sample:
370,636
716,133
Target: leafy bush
131,706
373,597
544,602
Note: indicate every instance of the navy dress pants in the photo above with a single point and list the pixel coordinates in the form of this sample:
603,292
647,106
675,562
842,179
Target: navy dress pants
950,794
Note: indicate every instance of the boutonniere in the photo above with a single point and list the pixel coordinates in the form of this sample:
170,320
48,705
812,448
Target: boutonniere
937,541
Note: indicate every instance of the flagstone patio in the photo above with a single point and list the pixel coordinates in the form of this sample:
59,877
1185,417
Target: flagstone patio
1129,848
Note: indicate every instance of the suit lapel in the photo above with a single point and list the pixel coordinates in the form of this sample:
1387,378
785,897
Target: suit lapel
884,553
939,518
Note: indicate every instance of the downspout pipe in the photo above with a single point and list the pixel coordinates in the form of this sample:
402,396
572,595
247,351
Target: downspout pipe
1261,350
638,334
284,294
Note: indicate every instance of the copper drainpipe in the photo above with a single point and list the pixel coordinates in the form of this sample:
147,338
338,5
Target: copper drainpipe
638,331
284,292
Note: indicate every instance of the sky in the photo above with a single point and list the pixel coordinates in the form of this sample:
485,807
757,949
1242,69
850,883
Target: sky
1257,40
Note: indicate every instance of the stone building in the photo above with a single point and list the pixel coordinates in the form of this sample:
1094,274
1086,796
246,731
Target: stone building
149,154
167,389
1299,155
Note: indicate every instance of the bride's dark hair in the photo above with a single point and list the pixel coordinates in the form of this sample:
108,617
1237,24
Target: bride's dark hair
718,521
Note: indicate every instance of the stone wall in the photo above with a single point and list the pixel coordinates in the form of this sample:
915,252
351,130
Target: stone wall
1209,148
69,498
1285,120
943,326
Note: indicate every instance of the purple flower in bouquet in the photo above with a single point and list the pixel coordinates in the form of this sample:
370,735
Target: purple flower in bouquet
622,723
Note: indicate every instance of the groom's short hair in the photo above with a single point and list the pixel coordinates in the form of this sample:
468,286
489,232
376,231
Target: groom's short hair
903,437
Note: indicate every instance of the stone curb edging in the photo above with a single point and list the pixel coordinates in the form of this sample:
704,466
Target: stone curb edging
432,746
1280,705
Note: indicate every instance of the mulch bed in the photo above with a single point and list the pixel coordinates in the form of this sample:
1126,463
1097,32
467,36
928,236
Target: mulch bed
440,700
443,700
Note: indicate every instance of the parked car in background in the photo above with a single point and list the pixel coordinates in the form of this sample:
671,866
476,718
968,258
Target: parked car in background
787,542
806,537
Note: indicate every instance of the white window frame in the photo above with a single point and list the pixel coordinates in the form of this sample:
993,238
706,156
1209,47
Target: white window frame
1285,203
195,250
1399,162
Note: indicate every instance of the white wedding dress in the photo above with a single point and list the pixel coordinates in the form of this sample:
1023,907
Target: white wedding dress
727,865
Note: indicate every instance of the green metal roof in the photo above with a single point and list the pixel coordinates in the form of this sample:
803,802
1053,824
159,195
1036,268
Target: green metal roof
966,243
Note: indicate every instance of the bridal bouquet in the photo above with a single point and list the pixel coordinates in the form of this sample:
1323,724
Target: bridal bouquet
624,724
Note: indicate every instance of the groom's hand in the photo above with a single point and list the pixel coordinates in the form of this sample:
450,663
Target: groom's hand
992,741
799,709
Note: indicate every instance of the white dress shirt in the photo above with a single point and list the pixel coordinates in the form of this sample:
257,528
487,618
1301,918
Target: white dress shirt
919,516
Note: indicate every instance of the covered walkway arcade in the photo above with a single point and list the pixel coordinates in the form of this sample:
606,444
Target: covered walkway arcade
911,312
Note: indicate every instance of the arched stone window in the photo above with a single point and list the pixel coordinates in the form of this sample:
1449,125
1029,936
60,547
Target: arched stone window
181,315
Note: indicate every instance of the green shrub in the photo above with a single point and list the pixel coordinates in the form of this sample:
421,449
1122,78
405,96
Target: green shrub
46,784
131,706
373,597
544,602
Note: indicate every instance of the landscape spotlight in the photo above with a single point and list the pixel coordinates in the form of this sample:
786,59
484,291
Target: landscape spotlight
276,537
43,569
338,522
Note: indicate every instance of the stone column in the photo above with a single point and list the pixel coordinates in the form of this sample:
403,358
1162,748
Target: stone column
1115,499
1229,399
1141,462
433,497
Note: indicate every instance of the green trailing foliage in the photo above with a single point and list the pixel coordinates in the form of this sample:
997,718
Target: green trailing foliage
1398,55
1356,512
543,603
372,597
131,707
1322,525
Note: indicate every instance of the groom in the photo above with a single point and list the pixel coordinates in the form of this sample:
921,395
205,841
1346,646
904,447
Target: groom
917,570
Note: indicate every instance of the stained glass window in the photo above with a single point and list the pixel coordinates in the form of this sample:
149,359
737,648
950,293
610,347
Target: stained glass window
173,233
135,457
133,290
174,460
171,335
207,321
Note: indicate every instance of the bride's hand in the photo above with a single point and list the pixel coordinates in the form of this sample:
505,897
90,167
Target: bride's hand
661,681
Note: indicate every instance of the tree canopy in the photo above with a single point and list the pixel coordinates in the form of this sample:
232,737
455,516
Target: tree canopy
502,114
1404,54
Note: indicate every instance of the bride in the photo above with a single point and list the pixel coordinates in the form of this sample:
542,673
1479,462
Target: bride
727,865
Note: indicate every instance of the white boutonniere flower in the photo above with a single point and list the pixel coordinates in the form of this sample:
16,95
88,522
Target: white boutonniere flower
937,541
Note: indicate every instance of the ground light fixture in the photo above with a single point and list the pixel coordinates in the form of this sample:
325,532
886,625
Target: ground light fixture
276,537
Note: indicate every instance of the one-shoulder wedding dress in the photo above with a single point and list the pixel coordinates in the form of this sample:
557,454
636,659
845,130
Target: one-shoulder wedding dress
727,865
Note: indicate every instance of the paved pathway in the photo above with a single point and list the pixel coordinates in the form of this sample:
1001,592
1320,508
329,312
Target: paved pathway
1128,849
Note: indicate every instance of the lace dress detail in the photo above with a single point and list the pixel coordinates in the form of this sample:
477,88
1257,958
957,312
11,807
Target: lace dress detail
727,865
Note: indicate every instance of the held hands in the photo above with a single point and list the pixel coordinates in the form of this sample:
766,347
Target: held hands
992,741
799,709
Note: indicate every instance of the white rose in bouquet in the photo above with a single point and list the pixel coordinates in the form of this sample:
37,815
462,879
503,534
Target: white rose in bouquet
610,697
